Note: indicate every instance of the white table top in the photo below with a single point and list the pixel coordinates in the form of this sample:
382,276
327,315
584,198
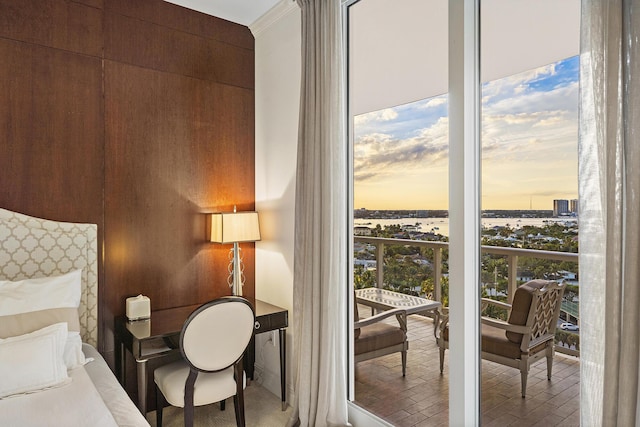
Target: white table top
385,300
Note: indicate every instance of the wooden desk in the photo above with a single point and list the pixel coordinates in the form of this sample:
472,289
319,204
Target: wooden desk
160,336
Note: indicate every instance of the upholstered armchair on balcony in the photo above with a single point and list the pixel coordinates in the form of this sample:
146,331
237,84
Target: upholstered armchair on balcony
527,335
374,338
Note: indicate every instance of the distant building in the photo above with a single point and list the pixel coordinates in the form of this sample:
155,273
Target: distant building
361,231
560,207
574,206
525,276
568,275
368,264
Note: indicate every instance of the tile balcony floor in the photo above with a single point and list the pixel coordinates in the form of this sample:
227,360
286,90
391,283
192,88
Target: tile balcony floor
422,397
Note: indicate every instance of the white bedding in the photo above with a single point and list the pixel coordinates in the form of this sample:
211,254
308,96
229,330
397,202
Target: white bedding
36,248
93,398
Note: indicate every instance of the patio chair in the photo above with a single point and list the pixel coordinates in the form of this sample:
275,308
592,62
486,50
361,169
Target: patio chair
527,335
374,338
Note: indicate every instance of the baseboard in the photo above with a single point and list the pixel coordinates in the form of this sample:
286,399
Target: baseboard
271,381
358,417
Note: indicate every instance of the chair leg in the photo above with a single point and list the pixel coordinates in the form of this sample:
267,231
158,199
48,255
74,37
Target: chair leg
238,399
160,403
523,376
188,416
404,362
441,360
238,403
223,404
550,352
189,398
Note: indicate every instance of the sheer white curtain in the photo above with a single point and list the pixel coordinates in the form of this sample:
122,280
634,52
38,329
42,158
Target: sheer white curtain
320,266
609,172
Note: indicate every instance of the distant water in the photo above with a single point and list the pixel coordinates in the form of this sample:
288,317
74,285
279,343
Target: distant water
441,225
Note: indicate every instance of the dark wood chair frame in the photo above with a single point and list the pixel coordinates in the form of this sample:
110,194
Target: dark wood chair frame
238,398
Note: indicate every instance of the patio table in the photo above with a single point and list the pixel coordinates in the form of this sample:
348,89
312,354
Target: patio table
383,299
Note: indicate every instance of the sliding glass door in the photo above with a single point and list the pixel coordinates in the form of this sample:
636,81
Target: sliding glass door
399,117
457,162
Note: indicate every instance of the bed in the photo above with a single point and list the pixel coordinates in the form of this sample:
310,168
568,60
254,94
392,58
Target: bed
48,276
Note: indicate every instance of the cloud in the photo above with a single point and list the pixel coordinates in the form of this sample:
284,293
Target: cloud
561,98
385,115
529,136
516,84
435,102
364,176
379,154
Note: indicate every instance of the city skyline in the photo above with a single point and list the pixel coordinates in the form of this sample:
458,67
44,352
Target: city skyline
529,146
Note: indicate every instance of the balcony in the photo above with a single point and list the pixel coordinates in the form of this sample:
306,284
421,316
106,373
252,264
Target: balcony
421,398
569,310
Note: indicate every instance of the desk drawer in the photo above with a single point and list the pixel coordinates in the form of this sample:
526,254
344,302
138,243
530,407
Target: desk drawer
270,322
156,347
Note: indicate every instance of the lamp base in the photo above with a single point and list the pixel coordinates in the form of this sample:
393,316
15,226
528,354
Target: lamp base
236,271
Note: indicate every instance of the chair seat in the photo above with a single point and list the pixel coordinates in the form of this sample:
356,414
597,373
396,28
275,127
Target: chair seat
378,335
495,341
210,387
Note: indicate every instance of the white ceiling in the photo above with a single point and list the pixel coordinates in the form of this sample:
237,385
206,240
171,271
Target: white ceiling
243,12
516,35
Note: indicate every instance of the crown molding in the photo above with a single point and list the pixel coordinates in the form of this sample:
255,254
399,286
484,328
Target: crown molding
277,12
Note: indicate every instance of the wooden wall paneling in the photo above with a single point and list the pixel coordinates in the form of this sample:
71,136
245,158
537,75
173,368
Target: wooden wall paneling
52,128
149,45
99,4
185,20
140,121
170,157
234,142
228,177
59,24
51,122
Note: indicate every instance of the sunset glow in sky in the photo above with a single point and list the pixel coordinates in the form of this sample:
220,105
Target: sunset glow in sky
529,146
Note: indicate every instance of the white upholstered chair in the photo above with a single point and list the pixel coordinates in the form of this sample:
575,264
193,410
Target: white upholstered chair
212,342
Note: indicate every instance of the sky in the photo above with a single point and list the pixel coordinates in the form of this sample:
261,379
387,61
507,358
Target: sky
529,146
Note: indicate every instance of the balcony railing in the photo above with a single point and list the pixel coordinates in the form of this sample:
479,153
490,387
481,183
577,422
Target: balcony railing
511,255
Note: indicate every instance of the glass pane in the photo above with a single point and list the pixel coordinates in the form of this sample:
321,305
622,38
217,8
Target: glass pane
530,209
400,197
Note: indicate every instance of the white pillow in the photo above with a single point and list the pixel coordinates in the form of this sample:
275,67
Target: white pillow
73,355
34,361
31,304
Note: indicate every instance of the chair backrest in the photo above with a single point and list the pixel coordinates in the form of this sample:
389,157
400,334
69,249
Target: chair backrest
217,333
536,304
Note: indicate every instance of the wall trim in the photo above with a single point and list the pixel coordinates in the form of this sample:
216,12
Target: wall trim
271,381
359,417
277,12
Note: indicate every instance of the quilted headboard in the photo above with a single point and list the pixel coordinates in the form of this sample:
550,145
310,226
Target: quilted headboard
34,247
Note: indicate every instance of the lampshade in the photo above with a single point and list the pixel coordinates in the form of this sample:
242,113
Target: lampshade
232,227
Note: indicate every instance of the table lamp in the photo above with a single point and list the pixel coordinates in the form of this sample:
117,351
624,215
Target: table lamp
234,227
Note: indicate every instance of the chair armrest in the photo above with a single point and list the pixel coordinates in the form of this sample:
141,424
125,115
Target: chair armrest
489,301
400,314
441,321
501,324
